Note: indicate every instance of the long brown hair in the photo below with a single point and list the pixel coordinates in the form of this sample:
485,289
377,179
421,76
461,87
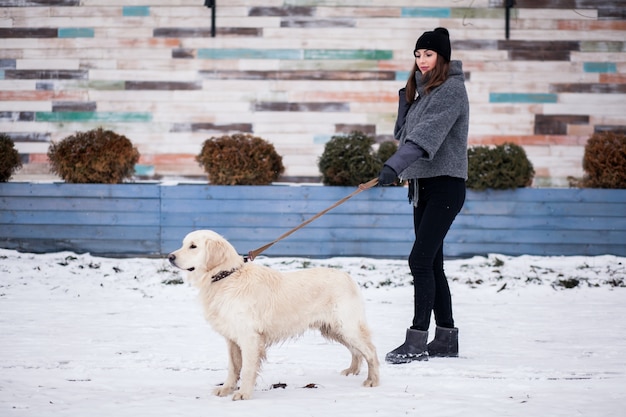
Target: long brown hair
433,78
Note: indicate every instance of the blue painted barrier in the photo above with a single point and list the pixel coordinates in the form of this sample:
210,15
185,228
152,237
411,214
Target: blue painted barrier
149,219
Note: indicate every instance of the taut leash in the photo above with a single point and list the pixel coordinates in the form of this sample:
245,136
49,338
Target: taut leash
362,187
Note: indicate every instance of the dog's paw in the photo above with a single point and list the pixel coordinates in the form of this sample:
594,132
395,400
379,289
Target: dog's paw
239,395
351,371
223,391
369,382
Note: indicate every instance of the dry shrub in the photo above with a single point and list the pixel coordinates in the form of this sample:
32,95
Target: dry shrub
95,156
240,159
604,161
9,158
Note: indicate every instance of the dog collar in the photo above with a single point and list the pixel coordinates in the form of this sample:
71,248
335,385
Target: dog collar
221,275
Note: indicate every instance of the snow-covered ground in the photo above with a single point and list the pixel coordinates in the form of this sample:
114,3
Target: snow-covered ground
88,336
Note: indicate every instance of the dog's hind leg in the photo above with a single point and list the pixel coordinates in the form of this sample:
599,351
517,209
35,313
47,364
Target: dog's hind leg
234,370
358,341
355,364
373,375
331,333
252,354
364,344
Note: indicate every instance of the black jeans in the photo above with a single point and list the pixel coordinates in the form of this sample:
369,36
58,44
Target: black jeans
440,200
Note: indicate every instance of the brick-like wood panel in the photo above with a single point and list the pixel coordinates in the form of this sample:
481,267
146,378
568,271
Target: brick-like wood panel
557,124
9,33
298,72
37,3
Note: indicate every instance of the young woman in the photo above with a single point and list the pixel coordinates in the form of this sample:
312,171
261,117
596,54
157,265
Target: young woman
432,126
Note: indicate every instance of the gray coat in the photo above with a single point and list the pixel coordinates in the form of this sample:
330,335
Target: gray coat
438,124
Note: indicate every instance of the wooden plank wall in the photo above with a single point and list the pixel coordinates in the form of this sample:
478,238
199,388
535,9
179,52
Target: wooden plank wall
152,219
297,72
95,218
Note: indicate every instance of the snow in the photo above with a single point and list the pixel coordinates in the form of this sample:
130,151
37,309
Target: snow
88,336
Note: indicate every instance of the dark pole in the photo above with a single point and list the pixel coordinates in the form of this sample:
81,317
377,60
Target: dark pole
213,20
211,4
507,16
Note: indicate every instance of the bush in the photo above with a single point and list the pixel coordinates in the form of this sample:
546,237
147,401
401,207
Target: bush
386,149
501,167
240,159
9,158
96,156
350,160
604,161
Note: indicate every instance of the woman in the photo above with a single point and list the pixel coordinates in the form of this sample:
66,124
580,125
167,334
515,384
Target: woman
432,126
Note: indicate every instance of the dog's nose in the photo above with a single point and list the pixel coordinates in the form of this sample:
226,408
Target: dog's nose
171,257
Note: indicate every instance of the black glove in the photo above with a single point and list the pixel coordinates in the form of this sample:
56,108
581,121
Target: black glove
387,176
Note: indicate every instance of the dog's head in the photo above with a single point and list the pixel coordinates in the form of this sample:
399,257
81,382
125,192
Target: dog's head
204,251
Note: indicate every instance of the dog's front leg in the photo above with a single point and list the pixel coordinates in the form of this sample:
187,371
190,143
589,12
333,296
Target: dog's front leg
252,353
234,370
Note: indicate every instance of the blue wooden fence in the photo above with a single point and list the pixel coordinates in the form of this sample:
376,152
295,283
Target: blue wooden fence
151,220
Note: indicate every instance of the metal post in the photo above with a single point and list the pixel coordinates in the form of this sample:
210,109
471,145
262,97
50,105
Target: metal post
211,4
507,16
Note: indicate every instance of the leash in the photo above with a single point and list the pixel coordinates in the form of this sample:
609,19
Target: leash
362,187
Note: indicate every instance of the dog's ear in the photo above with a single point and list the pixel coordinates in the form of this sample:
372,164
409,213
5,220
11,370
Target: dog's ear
216,252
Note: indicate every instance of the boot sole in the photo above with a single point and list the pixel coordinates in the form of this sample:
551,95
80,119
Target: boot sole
443,356
395,360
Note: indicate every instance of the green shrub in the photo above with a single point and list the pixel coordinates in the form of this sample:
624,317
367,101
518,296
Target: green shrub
95,156
604,161
240,159
350,159
500,167
386,149
9,158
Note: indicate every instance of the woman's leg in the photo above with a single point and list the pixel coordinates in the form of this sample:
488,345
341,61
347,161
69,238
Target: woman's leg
442,307
440,200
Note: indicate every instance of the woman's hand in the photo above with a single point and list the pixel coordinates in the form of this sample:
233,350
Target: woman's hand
387,176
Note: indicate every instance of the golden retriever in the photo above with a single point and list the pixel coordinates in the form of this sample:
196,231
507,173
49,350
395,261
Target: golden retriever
254,306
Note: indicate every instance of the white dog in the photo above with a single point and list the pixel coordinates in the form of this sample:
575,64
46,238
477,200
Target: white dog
254,306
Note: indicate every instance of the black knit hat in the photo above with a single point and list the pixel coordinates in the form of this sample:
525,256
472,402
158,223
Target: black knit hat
438,40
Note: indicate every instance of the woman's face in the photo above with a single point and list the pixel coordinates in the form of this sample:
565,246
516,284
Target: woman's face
425,59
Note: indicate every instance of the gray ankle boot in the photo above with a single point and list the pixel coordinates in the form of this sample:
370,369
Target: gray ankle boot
445,344
413,348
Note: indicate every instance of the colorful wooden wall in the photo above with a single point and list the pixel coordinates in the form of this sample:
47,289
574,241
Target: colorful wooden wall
297,72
